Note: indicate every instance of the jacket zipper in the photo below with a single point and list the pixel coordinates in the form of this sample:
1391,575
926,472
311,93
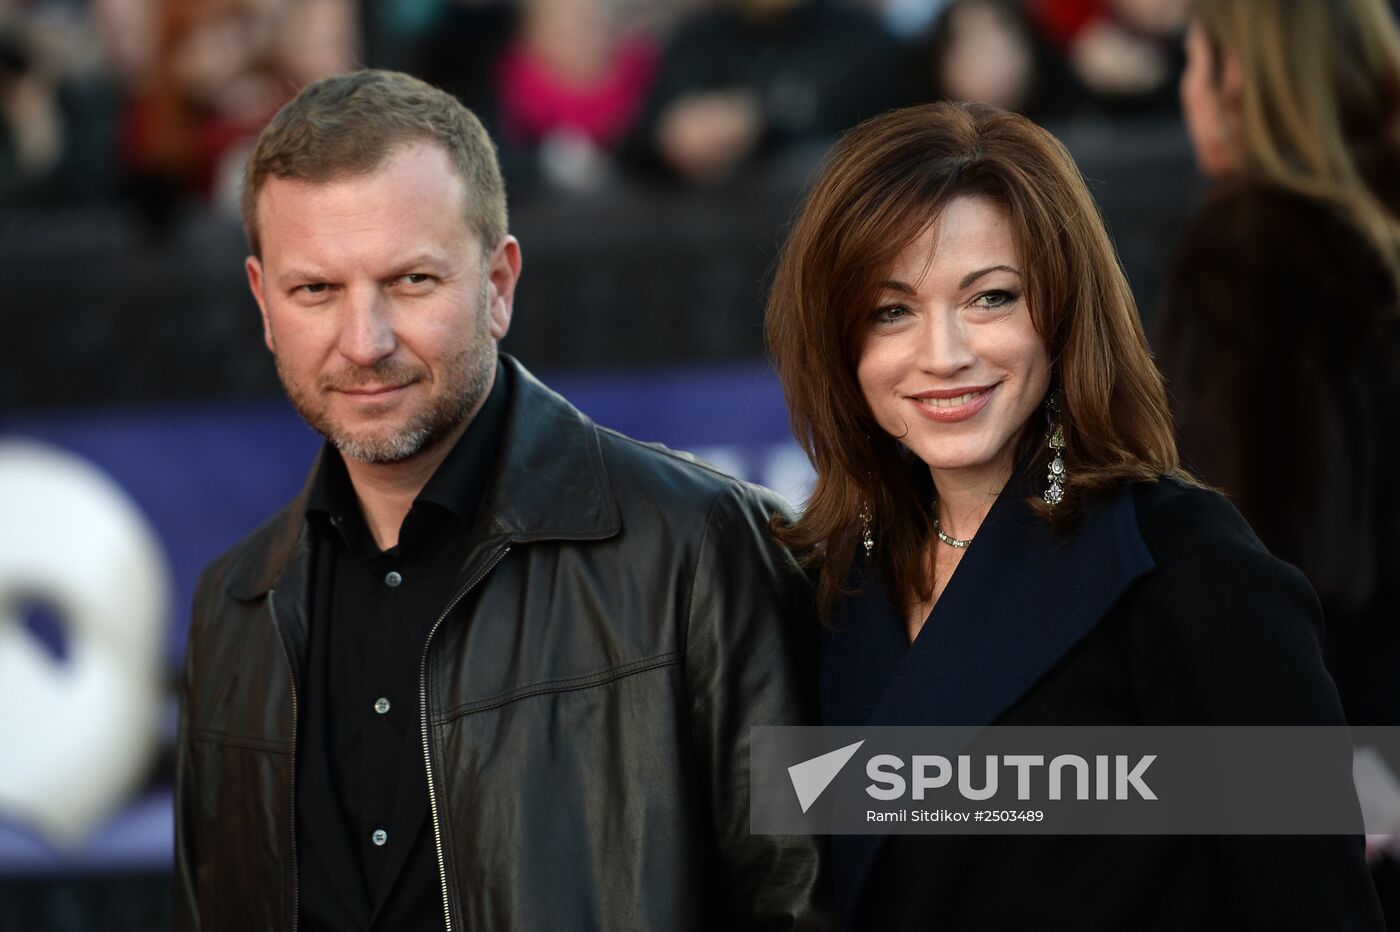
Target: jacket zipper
423,712
291,675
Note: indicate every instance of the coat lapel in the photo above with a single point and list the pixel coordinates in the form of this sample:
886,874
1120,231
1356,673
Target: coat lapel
1020,600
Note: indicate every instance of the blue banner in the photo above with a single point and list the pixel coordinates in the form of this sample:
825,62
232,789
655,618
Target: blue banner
112,515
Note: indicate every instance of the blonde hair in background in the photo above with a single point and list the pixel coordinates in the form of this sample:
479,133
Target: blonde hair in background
1320,102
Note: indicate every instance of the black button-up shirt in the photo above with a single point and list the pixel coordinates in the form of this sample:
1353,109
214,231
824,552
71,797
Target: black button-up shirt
366,859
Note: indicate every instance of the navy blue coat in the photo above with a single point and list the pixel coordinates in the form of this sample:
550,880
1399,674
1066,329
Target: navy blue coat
1160,608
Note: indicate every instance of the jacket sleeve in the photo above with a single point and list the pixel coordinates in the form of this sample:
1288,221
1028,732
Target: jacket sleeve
186,904
750,660
1227,634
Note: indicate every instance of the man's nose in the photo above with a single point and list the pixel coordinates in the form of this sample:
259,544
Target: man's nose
366,329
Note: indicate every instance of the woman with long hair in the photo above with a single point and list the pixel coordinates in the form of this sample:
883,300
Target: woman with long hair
1281,319
1001,534
1281,324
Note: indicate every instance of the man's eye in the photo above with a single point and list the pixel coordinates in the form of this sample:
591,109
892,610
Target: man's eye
415,278
314,288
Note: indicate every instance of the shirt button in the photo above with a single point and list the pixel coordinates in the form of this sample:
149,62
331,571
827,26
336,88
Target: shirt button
381,705
380,837
393,579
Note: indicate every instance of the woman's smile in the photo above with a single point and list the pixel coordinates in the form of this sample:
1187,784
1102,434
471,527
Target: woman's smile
945,407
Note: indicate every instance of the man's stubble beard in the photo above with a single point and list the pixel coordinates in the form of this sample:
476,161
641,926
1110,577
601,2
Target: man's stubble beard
467,378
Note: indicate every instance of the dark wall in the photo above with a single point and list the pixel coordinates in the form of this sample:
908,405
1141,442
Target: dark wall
98,311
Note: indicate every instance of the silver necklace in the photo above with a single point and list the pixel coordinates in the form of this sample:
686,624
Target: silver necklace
947,538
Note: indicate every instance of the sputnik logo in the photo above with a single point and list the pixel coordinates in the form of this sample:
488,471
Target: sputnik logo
811,777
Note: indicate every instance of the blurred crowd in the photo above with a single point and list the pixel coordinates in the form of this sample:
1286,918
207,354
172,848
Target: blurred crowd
153,103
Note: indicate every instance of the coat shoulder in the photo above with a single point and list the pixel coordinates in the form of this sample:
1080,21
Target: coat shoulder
1178,518
679,482
1221,632
237,568
1197,537
1210,565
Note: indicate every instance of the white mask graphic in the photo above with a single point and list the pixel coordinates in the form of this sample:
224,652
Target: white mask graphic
76,735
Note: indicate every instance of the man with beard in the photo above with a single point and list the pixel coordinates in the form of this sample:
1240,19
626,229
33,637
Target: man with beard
495,667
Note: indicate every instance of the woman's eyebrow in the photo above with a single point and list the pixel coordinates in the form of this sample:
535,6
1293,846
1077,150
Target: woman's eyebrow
971,277
901,287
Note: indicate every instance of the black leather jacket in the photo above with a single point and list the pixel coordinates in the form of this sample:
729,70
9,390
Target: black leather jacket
623,619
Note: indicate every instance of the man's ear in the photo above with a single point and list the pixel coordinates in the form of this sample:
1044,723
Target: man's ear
503,271
253,266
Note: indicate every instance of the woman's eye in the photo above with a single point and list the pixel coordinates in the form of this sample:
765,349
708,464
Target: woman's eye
891,314
994,299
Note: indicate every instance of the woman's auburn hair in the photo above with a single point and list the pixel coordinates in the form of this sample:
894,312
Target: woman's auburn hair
881,186
1319,103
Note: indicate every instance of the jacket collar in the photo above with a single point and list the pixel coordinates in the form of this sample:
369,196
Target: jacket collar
1020,600
550,483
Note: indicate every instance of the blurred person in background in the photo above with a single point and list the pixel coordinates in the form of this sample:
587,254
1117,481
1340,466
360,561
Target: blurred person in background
460,51
495,667
1281,323
570,86
988,51
744,79
906,20
1123,54
31,127
1002,535
129,34
58,107
221,69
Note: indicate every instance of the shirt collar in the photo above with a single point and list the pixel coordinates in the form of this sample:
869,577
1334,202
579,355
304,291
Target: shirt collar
459,484
457,487
549,483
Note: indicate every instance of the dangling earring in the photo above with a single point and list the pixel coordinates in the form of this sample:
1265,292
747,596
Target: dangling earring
865,536
1055,476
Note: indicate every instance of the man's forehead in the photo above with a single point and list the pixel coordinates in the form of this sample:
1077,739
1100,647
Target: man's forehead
310,263
414,196
421,161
